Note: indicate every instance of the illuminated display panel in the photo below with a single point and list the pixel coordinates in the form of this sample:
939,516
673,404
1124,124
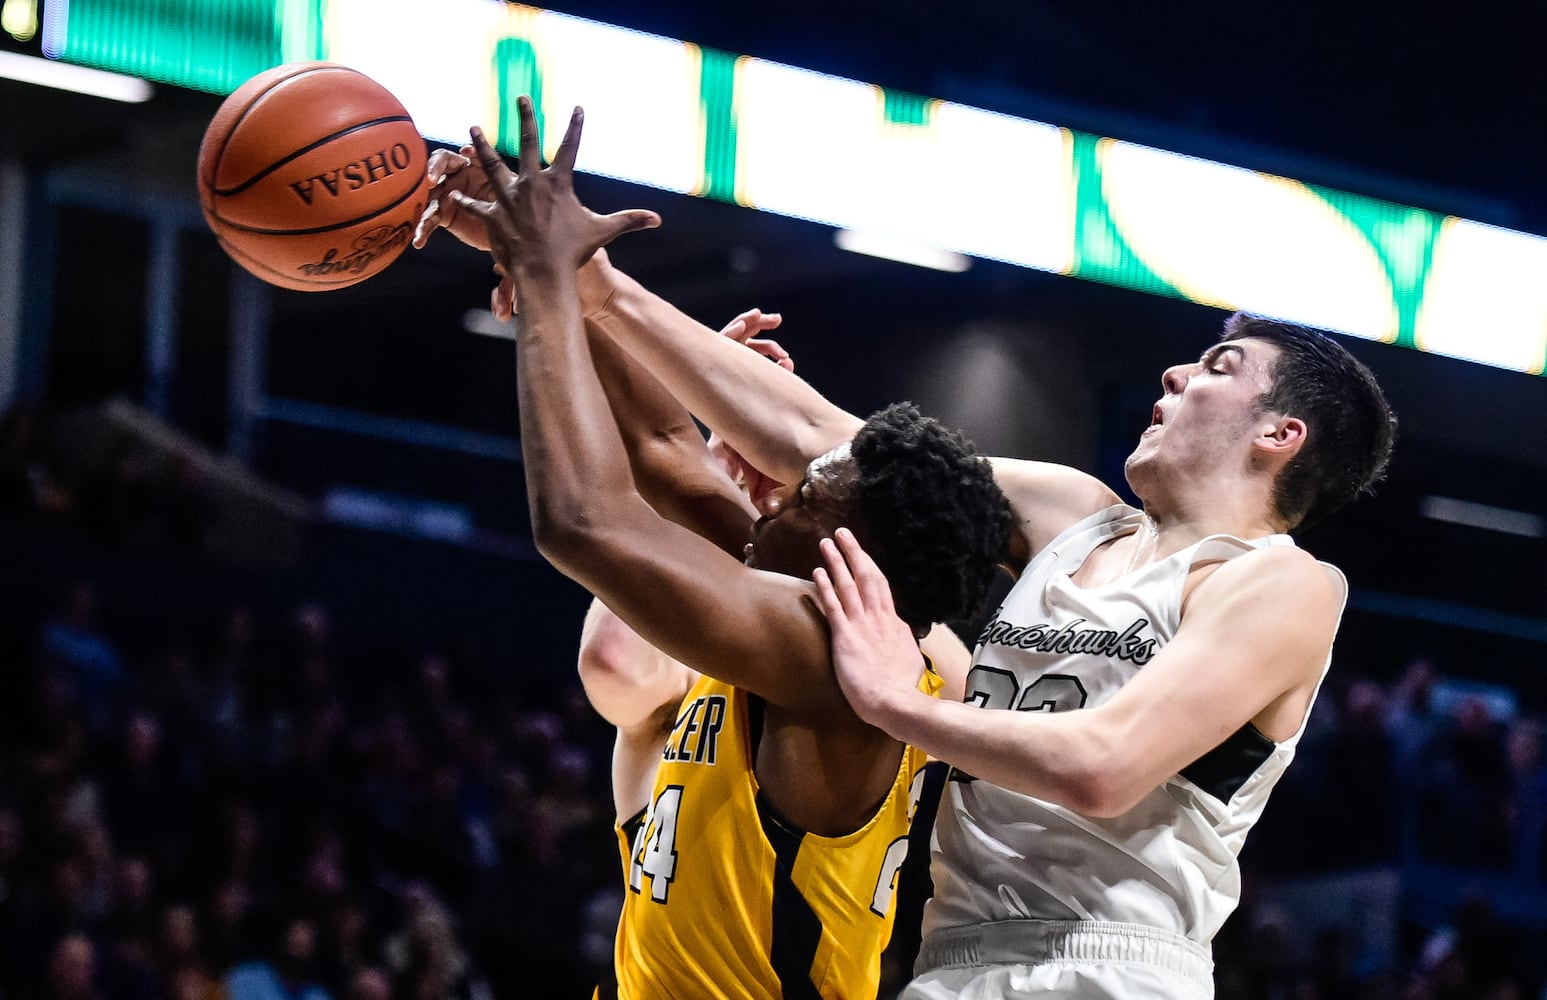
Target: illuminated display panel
670,114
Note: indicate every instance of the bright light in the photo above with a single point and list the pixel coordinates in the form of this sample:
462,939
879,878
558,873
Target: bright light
19,18
1485,299
61,76
1481,515
892,248
1246,240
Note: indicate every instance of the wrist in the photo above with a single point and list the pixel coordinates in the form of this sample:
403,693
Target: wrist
890,708
538,270
597,284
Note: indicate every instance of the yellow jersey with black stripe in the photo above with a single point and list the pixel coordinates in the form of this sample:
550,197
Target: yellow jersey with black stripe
728,900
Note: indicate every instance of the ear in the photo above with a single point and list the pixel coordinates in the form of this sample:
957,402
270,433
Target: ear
1283,438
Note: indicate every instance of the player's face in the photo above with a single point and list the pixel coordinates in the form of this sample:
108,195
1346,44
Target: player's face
797,517
1209,413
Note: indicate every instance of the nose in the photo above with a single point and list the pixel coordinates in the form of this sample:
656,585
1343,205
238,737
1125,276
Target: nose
1174,379
773,502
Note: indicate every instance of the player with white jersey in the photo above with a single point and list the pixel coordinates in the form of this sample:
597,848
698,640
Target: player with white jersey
1169,862
1149,676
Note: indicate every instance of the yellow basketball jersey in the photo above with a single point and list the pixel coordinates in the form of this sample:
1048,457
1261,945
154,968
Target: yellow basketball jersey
726,900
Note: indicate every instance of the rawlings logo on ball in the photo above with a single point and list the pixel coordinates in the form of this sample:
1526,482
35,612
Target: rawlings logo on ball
368,247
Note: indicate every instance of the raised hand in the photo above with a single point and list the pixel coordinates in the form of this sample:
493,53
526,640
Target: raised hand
534,219
875,654
743,330
454,172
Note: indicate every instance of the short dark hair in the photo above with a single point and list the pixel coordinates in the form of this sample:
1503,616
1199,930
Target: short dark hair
1350,425
936,520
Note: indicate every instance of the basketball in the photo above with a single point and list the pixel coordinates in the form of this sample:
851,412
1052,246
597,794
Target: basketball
312,176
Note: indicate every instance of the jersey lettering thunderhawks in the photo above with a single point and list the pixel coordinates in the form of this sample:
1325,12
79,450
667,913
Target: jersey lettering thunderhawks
726,899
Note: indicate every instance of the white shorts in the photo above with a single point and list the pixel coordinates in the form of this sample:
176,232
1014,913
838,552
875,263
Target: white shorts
1060,960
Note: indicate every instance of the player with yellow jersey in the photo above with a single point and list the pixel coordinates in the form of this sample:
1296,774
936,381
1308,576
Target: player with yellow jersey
738,901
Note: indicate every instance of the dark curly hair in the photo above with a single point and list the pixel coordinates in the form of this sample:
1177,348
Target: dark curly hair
1350,425
936,521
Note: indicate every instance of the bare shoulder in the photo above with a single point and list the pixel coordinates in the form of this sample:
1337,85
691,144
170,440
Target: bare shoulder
1281,581
1046,498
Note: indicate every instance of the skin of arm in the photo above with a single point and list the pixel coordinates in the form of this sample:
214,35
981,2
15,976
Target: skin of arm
636,688
682,594
767,413
1203,686
666,451
673,469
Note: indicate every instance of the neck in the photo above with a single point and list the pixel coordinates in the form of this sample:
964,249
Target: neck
1171,526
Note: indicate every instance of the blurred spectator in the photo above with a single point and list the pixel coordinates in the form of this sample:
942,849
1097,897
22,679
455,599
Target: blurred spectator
424,955
288,974
74,638
370,984
1411,716
1527,807
1465,789
1361,781
28,482
72,969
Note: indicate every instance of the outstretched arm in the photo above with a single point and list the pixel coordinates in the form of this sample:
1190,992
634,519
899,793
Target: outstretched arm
778,421
769,415
683,595
673,468
1203,685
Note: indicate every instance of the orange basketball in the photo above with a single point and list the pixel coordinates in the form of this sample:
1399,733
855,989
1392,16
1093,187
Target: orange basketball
312,176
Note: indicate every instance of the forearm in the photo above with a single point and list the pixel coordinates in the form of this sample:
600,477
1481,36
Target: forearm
1059,757
769,415
672,467
574,459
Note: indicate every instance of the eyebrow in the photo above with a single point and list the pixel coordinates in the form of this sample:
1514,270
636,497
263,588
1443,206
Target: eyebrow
1213,354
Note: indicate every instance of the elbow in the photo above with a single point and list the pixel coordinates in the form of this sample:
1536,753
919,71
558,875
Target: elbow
561,532
1102,794
596,668
1103,786
608,650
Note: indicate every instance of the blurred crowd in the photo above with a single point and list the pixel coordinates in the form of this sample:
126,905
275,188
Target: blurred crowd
1427,777
251,813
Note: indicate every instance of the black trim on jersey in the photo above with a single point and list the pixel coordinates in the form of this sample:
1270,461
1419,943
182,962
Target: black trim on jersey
755,710
1223,770
631,825
797,931
914,884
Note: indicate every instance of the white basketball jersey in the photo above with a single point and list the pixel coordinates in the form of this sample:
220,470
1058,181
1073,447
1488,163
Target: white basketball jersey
1169,862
